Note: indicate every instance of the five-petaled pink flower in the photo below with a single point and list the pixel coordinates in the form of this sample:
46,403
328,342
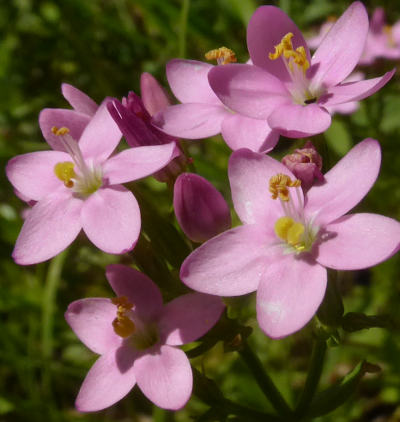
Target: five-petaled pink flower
285,243
136,337
288,88
79,186
202,114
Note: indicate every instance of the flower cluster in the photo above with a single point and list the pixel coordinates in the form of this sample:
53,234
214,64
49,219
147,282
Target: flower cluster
293,213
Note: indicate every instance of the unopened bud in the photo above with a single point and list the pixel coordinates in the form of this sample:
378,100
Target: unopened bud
305,164
200,209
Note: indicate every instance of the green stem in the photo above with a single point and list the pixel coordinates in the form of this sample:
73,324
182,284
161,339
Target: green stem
265,382
183,28
313,376
48,304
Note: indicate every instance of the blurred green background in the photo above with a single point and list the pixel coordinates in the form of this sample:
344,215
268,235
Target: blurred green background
102,47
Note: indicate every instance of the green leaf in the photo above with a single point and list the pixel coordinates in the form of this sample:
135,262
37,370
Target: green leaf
331,398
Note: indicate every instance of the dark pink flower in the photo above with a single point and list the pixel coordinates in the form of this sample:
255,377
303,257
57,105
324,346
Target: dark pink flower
136,336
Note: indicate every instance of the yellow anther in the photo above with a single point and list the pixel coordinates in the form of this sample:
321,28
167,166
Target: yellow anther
291,232
387,29
59,131
65,172
122,324
223,55
285,48
279,184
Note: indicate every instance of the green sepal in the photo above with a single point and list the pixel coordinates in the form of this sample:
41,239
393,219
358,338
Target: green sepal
328,400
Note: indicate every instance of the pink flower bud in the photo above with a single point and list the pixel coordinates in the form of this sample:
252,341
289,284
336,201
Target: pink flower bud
200,209
153,95
305,164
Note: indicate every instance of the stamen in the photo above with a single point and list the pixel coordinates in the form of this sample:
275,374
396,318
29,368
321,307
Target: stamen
285,49
65,172
222,55
292,232
279,184
59,131
122,324
387,29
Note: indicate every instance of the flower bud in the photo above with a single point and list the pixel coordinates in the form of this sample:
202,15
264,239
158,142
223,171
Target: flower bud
305,164
153,95
200,209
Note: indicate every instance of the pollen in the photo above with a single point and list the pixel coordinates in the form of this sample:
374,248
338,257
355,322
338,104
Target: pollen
122,324
285,49
279,186
65,172
222,55
59,131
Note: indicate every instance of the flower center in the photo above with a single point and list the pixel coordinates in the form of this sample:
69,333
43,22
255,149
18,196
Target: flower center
222,55
296,63
128,325
297,234
87,178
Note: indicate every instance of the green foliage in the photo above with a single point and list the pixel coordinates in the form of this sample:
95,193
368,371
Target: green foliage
102,47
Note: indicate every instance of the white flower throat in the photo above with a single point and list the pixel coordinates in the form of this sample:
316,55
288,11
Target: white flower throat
83,178
297,234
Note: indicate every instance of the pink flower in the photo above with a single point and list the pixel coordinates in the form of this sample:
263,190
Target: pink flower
202,114
136,337
288,88
285,243
200,209
81,188
76,120
133,118
382,41
305,164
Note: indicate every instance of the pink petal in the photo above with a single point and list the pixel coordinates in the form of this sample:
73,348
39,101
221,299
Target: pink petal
189,317
266,28
137,287
101,136
231,263
79,100
248,90
244,132
165,377
33,174
192,120
289,294
341,49
346,183
111,219
108,381
73,120
91,320
355,91
297,121
153,95
359,241
135,163
189,83
51,226
249,175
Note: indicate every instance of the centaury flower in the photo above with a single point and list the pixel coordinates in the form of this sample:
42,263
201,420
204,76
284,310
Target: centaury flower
288,88
136,337
202,114
288,238
81,188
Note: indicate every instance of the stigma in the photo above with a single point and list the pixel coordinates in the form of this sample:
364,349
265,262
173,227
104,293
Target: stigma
222,55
